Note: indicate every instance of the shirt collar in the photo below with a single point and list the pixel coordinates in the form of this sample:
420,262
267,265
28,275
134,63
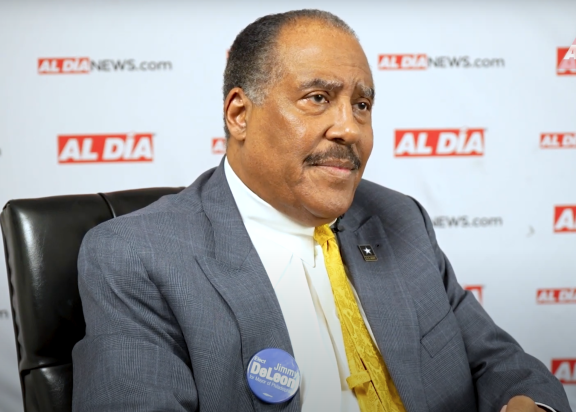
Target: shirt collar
261,219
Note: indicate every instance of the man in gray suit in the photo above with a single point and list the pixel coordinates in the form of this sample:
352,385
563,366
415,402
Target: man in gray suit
180,296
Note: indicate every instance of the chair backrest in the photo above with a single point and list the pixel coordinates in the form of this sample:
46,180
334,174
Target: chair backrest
42,239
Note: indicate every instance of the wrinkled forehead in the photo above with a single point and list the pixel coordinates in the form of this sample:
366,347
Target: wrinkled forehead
316,50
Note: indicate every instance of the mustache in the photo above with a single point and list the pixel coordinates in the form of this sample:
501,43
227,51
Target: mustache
335,152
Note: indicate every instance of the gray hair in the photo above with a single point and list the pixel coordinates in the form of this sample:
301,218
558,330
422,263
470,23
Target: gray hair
251,60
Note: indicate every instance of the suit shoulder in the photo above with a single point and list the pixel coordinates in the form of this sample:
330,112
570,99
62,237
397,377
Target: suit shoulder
162,217
377,197
188,201
396,210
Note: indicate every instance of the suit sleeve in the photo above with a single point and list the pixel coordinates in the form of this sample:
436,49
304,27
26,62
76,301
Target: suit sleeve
133,357
500,368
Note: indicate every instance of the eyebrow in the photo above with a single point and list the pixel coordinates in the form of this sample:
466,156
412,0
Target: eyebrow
322,84
365,91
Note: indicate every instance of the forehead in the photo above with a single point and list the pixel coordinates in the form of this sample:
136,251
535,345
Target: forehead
312,49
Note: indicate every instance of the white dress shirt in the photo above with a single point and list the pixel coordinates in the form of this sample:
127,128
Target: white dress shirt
294,263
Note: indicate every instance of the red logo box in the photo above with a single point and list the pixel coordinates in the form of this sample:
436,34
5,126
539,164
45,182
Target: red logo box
218,145
402,61
64,65
105,148
565,219
558,140
565,370
438,142
566,60
556,296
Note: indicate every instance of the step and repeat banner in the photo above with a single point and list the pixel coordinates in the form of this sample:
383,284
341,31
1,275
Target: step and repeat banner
475,117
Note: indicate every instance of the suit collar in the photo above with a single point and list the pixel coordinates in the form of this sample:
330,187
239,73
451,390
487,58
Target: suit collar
232,243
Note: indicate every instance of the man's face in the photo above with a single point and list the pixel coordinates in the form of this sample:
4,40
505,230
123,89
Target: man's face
305,148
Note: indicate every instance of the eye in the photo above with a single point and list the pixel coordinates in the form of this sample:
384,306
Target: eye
363,106
319,98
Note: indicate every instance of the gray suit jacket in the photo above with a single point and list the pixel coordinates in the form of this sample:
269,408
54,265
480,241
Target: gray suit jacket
176,302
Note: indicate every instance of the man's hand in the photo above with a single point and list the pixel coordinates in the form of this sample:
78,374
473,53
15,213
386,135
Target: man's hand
521,404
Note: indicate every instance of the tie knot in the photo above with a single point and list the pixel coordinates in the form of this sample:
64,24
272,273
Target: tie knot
323,234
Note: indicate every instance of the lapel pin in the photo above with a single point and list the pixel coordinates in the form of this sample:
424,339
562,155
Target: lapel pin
273,375
368,253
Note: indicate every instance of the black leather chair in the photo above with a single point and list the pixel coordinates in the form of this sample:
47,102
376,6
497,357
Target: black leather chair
42,238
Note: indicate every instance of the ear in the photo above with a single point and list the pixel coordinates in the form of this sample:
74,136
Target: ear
237,108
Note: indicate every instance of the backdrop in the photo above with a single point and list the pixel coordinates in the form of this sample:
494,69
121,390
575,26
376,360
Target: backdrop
475,117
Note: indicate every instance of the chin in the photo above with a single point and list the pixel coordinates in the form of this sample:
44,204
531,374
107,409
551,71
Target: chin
330,207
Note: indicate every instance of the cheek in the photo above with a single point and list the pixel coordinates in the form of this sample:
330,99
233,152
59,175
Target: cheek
280,148
295,136
365,146
294,128
369,146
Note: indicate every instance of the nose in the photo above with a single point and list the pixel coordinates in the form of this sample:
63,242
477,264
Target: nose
345,128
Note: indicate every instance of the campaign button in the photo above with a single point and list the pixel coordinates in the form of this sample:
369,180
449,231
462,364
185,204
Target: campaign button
273,375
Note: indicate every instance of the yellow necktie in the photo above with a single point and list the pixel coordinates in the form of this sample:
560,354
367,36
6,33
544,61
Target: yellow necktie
369,378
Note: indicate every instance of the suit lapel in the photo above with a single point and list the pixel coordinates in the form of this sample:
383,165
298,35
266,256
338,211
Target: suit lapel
387,304
237,273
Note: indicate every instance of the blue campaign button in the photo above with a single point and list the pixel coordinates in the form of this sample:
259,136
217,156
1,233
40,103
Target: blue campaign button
273,375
